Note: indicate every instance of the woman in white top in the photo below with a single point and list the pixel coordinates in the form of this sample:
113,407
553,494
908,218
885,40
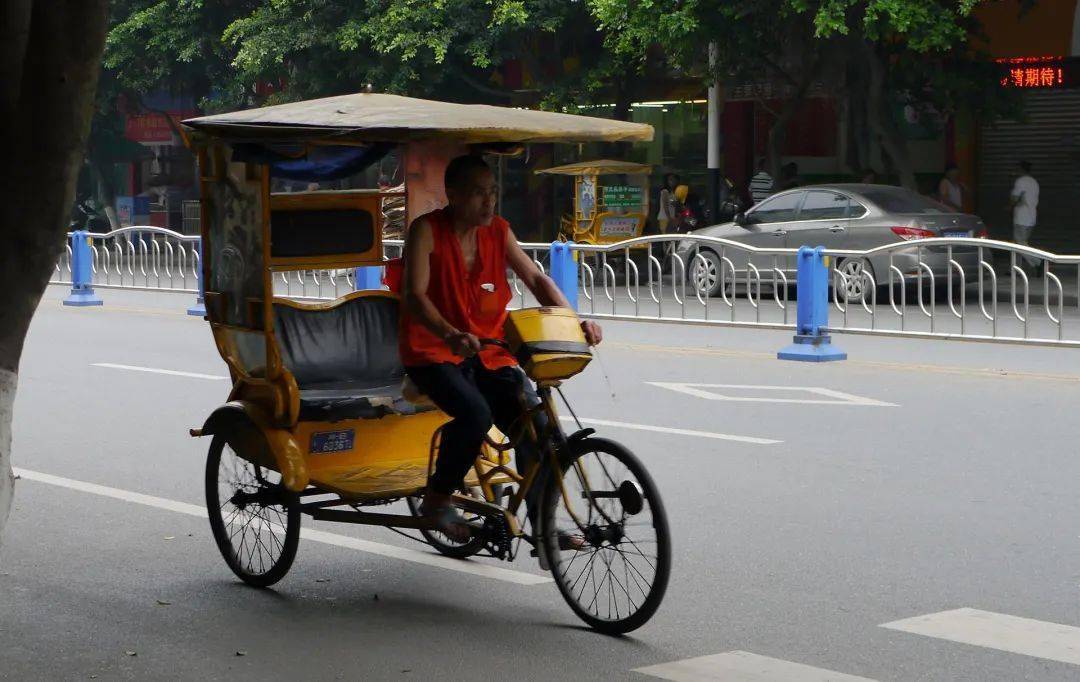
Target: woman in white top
950,189
666,213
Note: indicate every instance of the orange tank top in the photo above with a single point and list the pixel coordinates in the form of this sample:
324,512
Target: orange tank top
474,301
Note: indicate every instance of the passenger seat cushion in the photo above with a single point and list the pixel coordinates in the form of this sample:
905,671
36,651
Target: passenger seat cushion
355,342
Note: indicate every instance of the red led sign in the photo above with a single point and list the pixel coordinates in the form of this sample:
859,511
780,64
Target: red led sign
1036,72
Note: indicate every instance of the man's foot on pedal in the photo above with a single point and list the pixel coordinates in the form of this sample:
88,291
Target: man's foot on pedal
436,507
568,542
571,542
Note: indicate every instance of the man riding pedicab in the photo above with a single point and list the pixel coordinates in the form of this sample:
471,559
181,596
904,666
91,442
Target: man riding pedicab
455,293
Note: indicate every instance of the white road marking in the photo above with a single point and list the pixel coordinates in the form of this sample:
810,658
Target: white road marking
1037,638
155,370
676,432
837,397
584,420
405,554
743,666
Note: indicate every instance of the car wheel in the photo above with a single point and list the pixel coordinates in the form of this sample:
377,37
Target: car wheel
705,273
854,287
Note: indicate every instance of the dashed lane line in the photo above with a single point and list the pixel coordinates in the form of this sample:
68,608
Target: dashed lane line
743,666
156,370
753,440
731,392
1037,638
674,431
475,568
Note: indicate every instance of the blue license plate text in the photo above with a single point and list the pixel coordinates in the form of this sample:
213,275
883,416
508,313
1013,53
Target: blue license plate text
332,441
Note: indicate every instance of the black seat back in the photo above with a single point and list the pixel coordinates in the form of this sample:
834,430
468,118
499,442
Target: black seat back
356,341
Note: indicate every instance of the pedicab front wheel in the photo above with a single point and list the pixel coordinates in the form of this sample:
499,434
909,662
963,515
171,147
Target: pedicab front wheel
255,520
605,534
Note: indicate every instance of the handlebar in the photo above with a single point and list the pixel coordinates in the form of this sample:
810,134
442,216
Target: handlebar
495,342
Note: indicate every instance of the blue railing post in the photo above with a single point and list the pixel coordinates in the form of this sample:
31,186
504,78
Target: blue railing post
199,309
564,271
811,343
82,274
368,277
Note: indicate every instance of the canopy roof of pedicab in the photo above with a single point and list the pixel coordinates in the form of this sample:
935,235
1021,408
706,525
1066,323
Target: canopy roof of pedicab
600,167
375,117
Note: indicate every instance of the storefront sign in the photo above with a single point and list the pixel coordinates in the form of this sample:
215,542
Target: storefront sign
622,196
1039,72
152,127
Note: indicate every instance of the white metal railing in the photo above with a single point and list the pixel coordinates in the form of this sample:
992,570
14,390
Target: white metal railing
138,257
965,288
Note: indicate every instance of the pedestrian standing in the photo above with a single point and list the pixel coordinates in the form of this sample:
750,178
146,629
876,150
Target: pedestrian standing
761,185
950,189
1025,201
789,177
666,213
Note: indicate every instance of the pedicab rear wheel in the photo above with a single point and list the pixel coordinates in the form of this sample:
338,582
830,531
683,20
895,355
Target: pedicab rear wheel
254,518
617,579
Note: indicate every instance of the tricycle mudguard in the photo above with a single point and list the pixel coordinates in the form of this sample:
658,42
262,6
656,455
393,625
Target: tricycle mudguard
243,422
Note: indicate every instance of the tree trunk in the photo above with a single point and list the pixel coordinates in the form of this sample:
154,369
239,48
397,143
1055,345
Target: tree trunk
7,481
881,120
51,52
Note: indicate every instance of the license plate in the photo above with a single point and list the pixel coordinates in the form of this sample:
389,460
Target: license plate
954,233
325,442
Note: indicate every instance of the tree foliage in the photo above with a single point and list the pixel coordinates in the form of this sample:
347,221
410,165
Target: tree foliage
235,53
881,51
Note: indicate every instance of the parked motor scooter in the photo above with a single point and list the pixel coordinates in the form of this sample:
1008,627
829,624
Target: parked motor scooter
85,216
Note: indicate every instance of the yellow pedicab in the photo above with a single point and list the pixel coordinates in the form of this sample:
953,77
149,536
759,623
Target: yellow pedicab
318,421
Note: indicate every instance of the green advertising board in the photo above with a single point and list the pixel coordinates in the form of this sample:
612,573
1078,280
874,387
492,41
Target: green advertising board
622,196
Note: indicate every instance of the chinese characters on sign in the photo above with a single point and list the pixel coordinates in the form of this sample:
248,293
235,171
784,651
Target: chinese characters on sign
619,226
152,126
1034,77
622,196
1034,72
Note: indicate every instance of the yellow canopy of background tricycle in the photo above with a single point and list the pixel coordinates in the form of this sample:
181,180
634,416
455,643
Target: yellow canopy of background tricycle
600,167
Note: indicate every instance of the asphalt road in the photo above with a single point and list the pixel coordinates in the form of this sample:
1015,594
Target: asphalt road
918,478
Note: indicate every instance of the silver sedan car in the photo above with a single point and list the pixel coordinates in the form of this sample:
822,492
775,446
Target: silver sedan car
841,216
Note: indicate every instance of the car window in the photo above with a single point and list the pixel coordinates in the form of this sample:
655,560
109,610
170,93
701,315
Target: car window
855,209
777,209
824,206
902,200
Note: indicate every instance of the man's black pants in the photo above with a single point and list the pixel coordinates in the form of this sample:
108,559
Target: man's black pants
477,397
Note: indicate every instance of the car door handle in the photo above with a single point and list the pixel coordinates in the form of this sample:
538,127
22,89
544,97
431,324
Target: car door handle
836,228
779,233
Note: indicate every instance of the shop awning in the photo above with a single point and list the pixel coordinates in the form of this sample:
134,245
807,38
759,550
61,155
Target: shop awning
373,117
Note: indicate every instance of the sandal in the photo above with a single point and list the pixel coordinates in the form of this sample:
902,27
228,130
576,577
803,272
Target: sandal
568,542
571,542
449,522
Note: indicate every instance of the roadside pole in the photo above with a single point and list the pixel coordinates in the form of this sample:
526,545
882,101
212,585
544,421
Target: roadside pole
714,137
